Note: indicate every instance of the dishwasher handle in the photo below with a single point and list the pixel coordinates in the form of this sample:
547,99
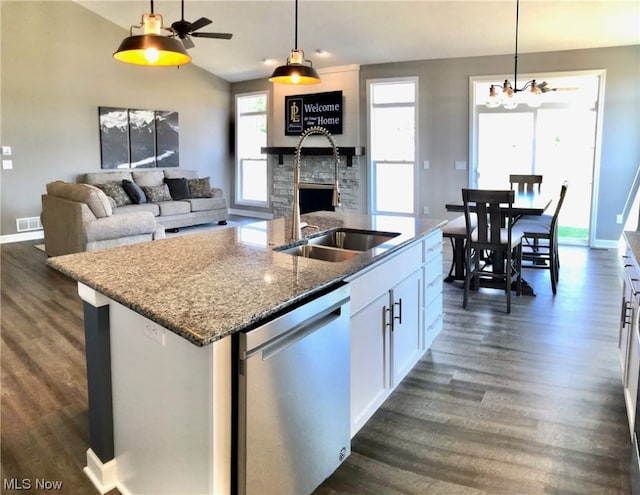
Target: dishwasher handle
296,333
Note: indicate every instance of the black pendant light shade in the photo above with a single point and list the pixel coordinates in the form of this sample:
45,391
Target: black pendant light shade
152,49
295,71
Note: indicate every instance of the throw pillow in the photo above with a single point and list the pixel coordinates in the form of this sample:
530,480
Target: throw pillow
115,191
178,188
157,193
134,192
200,188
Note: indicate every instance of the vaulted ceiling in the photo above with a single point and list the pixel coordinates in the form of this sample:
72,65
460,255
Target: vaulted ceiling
371,31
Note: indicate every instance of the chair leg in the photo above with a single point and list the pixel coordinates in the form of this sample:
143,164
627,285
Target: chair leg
508,270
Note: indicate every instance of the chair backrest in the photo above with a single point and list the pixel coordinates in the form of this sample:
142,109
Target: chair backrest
563,193
526,183
493,209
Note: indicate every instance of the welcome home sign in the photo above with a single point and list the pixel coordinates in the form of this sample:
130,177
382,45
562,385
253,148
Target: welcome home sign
318,109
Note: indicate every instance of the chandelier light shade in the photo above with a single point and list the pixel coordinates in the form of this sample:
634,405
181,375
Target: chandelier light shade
152,48
508,95
296,70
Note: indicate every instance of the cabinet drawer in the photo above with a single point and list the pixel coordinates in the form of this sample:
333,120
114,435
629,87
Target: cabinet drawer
432,246
433,320
376,281
432,279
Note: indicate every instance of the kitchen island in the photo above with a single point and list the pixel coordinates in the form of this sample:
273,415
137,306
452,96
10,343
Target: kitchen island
159,318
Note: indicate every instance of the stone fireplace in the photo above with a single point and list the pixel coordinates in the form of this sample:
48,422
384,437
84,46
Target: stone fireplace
319,171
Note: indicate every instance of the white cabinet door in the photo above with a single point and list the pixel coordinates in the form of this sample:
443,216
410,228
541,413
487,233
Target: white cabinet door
369,360
406,326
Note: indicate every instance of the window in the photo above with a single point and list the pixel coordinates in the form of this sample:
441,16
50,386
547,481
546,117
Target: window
251,164
392,141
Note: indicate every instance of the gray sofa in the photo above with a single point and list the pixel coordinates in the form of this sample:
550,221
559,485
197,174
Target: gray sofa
95,213
170,213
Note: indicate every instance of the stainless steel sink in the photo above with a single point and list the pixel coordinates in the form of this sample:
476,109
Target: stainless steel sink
355,240
325,253
337,245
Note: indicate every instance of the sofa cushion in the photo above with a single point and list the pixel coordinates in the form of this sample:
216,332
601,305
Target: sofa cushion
178,188
204,204
200,188
155,194
94,178
117,192
168,208
93,197
177,173
134,192
148,177
152,207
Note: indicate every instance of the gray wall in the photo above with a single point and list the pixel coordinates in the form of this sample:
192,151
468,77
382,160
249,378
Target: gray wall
444,120
57,69
443,124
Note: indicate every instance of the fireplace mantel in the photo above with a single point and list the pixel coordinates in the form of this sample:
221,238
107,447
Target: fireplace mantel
347,151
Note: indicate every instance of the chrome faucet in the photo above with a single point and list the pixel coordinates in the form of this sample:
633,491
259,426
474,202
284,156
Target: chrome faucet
296,228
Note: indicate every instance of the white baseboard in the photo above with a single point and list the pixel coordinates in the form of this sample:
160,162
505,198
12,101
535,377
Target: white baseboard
102,475
23,236
250,213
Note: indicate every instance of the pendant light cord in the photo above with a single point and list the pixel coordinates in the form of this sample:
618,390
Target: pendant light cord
152,6
295,44
515,63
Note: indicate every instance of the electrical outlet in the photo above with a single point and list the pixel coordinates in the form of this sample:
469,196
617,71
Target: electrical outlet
6,150
7,164
425,210
155,332
619,218
460,165
425,164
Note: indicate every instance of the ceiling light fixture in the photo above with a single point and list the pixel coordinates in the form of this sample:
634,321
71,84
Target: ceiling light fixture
508,97
151,47
295,71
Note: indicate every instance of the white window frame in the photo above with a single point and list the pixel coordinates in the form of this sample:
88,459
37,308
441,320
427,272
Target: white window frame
371,162
473,130
240,159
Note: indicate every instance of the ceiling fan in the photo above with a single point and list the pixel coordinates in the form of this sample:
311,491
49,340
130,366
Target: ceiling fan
185,30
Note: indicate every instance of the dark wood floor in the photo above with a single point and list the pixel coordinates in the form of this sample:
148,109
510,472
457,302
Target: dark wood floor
526,403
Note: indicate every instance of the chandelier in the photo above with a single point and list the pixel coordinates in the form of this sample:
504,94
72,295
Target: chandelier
509,95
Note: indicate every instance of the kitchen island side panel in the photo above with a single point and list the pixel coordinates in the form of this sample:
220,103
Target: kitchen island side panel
171,407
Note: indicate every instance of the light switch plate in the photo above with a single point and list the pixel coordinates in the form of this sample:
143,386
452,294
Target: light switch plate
6,150
7,164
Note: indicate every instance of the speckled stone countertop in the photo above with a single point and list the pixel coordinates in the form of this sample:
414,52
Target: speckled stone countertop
632,238
209,285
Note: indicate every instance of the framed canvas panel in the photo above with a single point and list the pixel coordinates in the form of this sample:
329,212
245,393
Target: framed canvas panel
167,132
142,138
114,137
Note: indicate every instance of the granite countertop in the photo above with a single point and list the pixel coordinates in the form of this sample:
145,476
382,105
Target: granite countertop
209,285
632,238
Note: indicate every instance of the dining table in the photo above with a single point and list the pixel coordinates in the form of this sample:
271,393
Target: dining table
532,203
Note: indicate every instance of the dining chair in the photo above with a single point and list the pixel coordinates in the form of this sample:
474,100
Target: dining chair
540,240
493,251
526,183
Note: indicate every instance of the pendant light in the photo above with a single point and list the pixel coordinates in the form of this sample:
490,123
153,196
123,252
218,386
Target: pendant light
508,97
295,71
152,48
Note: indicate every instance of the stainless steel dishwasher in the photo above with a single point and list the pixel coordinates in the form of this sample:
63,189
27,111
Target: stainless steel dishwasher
294,398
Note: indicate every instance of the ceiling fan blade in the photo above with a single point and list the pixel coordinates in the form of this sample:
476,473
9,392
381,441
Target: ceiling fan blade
187,42
200,23
223,36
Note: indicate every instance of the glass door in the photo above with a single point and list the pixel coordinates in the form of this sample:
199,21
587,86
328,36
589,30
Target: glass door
556,140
